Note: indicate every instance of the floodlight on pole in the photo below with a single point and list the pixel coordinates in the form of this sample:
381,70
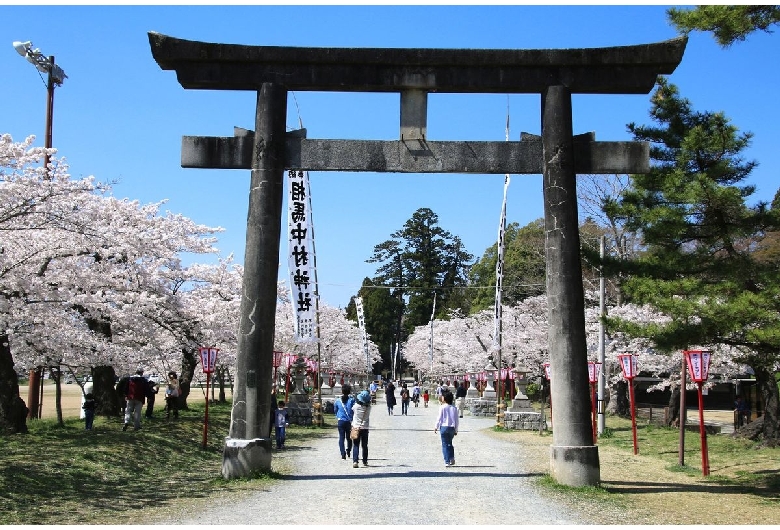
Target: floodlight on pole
56,76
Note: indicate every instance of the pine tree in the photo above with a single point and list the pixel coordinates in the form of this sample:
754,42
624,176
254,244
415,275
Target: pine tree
727,23
700,264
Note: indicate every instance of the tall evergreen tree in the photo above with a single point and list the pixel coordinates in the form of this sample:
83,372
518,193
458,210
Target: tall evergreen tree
700,263
419,260
524,267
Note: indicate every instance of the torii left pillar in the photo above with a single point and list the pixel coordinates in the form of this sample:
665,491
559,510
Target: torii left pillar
248,446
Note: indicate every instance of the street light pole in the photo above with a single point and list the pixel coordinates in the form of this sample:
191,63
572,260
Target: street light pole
55,77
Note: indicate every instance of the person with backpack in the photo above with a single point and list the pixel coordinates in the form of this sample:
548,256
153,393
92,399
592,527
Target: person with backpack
361,411
135,395
404,400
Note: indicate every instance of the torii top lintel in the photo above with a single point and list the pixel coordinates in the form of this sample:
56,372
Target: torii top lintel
612,70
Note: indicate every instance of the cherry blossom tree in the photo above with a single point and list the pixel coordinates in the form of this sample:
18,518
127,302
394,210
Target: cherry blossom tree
85,278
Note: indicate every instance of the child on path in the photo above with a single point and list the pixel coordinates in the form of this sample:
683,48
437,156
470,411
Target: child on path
447,423
282,418
426,397
89,411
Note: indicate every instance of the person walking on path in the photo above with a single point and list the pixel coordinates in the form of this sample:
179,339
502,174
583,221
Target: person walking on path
404,400
426,397
136,393
416,394
447,423
390,397
460,396
361,411
172,395
343,409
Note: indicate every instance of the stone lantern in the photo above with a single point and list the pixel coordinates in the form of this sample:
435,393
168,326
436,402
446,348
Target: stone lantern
472,391
520,403
490,374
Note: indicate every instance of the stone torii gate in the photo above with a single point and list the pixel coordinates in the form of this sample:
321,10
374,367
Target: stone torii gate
414,73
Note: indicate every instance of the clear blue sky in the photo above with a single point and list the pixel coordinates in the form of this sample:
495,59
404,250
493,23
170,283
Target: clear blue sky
120,117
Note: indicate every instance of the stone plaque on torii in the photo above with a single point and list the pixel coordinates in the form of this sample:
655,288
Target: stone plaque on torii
558,155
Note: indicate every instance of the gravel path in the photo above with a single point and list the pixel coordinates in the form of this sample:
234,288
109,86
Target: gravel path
405,483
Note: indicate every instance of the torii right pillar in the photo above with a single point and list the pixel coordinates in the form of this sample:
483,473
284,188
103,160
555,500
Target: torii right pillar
574,460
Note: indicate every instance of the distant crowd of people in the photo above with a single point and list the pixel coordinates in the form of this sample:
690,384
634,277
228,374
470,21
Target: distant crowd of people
136,391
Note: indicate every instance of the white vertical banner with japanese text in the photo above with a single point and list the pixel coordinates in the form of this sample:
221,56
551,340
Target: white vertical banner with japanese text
362,327
300,261
500,269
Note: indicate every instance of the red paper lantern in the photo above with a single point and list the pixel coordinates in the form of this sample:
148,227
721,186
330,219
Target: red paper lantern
208,359
698,364
594,369
628,365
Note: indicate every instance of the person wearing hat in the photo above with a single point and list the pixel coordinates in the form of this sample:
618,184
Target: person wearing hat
361,410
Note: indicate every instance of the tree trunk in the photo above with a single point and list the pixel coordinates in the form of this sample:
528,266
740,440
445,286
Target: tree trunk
13,410
56,376
674,408
620,405
221,378
189,361
767,386
108,402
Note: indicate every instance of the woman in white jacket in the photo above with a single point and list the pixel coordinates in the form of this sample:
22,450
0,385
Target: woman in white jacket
361,410
447,423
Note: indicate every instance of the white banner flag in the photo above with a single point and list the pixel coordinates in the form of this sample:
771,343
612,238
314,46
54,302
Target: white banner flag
362,327
500,268
300,261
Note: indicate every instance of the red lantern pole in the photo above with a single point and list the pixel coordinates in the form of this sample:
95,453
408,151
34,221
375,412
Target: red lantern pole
628,365
206,418
698,366
547,376
208,359
633,412
593,410
705,459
